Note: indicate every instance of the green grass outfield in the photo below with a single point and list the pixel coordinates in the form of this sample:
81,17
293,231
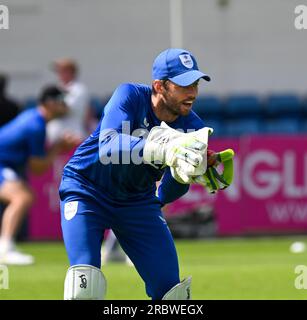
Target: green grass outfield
254,268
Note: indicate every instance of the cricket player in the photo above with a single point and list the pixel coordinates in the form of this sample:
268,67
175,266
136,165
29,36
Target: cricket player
110,181
22,147
77,99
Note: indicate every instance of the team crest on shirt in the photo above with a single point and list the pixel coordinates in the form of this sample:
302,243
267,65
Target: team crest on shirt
186,60
146,122
70,209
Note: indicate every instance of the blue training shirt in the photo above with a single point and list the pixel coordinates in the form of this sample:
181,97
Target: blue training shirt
22,138
102,160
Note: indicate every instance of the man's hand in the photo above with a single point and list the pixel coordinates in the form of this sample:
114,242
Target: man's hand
212,158
213,180
39,165
66,143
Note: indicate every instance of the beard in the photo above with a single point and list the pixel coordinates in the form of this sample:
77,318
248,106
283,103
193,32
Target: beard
178,108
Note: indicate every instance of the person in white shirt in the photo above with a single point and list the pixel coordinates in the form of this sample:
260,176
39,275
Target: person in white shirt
77,99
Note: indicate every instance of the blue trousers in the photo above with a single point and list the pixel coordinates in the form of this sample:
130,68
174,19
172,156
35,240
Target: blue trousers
140,229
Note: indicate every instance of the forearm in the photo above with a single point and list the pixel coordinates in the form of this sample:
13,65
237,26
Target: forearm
40,165
171,190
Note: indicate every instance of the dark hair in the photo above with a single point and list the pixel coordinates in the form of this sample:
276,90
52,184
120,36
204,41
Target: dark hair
3,81
51,92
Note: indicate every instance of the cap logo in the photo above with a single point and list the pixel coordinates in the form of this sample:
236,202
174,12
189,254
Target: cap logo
186,60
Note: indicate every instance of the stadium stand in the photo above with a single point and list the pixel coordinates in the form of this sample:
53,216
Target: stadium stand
217,125
282,106
240,127
237,114
282,126
209,107
243,106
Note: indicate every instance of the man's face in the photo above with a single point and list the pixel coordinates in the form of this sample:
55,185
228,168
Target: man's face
58,108
65,74
178,100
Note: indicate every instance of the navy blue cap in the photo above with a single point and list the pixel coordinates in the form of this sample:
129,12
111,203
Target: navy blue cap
178,66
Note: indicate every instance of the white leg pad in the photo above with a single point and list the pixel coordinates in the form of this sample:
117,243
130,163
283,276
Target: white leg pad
84,282
181,291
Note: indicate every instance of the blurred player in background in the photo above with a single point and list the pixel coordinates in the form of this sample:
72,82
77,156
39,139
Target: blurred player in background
111,250
9,109
22,146
110,182
76,120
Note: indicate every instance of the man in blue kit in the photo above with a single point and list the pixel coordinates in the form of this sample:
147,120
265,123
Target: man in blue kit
22,147
110,182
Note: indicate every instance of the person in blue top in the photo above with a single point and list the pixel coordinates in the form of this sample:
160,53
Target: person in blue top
22,145
146,133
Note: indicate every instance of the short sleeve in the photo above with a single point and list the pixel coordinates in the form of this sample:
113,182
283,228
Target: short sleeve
36,142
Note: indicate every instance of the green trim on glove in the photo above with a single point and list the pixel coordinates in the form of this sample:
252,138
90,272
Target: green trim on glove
226,158
212,180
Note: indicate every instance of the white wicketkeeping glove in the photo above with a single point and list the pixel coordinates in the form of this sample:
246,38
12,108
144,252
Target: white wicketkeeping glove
184,153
